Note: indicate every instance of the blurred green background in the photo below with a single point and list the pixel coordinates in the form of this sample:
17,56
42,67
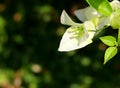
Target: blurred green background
30,32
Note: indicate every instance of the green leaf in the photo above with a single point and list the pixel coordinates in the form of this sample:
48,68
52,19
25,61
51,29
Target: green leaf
110,53
102,6
108,40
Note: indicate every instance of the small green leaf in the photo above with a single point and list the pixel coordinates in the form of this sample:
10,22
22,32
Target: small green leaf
108,40
102,6
110,53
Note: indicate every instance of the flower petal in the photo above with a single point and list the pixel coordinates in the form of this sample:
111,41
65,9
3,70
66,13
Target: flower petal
103,22
65,19
90,27
86,14
68,44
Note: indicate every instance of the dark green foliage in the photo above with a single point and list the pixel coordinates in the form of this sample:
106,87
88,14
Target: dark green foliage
30,33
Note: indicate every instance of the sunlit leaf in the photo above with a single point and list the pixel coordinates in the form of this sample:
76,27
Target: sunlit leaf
110,53
102,6
108,40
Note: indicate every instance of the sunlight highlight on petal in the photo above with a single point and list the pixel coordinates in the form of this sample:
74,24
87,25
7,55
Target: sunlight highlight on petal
86,14
90,27
103,22
65,19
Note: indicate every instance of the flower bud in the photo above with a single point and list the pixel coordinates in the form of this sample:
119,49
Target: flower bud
115,4
115,19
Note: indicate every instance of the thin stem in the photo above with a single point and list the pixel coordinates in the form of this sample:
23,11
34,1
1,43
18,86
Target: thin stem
119,36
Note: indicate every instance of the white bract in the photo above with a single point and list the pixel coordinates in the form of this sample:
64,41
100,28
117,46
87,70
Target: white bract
76,36
80,35
89,13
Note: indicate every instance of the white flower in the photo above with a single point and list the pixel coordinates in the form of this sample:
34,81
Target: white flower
90,13
87,13
76,36
79,35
